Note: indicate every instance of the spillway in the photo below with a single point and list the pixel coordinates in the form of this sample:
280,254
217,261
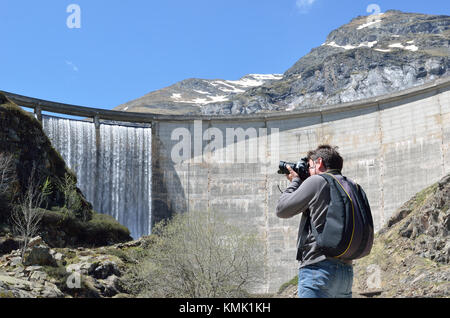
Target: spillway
113,167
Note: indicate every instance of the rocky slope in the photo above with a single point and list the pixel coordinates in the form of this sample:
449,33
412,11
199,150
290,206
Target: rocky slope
370,56
66,272
411,254
411,257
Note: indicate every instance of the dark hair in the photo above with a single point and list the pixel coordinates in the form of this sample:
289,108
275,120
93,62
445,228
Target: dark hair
330,156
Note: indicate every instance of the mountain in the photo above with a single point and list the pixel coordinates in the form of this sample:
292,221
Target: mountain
370,56
191,95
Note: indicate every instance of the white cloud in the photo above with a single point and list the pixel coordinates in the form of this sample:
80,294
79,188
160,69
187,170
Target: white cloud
304,5
73,66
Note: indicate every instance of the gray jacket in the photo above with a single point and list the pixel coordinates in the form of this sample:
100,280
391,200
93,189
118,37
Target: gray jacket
310,196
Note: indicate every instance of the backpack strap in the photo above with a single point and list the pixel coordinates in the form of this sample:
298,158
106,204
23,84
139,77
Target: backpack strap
302,234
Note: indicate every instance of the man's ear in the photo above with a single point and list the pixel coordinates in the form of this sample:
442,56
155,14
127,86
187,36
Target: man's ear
321,164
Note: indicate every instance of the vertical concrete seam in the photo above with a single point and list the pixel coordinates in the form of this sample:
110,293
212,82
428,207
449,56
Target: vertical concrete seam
381,160
150,204
38,112
441,121
155,190
98,154
266,217
188,205
322,129
208,165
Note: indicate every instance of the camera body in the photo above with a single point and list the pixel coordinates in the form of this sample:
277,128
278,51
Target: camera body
301,168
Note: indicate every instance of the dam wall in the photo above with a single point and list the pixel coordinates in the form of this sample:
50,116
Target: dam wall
393,145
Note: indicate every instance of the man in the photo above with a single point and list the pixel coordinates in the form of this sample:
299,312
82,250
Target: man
320,276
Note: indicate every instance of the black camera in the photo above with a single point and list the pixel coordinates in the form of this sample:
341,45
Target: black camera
301,168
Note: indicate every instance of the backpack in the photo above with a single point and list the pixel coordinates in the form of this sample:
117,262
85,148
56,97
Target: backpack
348,231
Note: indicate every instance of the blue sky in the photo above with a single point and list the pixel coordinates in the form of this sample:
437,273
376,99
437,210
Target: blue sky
126,49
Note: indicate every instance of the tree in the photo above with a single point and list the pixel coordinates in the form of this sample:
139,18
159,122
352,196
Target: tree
7,180
26,216
72,200
6,172
199,255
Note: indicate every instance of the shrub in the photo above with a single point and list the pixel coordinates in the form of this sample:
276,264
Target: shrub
101,230
198,255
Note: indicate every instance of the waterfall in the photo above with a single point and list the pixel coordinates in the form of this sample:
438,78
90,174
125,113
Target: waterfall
113,167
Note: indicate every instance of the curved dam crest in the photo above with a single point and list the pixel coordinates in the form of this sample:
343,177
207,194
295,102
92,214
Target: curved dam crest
394,146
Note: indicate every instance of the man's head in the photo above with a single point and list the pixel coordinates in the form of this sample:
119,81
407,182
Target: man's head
324,158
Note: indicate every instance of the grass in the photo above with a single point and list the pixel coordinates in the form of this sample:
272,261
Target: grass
292,282
101,230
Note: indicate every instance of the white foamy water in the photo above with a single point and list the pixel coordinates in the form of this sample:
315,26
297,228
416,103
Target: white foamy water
115,175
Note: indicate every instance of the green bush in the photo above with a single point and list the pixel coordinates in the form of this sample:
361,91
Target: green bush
101,230
198,255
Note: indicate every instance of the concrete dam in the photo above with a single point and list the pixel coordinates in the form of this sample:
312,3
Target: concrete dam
394,146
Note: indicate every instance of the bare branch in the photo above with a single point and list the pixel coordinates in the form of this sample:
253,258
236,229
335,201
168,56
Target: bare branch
25,217
7,176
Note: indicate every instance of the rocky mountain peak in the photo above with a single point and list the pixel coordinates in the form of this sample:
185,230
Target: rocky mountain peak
367,57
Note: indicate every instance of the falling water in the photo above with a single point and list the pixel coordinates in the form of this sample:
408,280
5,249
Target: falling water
113,174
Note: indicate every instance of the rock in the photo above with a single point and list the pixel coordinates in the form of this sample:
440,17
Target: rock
51,291
109,286
19,274
14,261
38,276
407,229
91,288
12,281
95,275
447,248
105,270
82,268
398,216
32,268
122,295
8,244
58,256
35,241
40,255
12,134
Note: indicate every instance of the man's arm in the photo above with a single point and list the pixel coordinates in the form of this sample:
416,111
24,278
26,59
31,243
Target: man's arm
297,197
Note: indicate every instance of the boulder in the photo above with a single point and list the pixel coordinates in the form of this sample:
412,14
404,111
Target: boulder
109,286
51,291
15,261
35,241
8,244
106,269
40,255
38,276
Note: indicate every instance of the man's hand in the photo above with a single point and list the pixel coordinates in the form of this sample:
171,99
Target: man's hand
292,174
